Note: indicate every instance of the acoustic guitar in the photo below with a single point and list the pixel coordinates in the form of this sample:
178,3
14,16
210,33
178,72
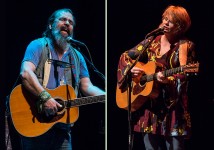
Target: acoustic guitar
142,87
28,122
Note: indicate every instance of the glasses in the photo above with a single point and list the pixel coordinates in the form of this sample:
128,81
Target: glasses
167,20
66,20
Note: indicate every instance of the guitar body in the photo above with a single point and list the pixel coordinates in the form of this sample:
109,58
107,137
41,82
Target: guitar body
140,92
24,113
143,87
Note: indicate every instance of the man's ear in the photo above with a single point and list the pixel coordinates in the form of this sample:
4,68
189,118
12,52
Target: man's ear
50,27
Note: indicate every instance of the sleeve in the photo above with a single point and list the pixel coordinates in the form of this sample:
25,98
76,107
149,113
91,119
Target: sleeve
83,67
181,80
191,65
33,52
124,64
126,60
192,57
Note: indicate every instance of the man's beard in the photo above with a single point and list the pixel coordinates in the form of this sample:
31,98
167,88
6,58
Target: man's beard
60,40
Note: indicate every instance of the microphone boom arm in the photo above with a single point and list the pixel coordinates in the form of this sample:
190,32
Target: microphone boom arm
77,44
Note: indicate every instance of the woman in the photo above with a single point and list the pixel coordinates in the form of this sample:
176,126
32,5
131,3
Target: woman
164,117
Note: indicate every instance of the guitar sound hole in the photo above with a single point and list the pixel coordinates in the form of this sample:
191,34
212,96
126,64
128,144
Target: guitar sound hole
61,102
142,82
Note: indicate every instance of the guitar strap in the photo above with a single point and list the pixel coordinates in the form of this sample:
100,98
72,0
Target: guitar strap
76,67
183,45
44,56
183,50
47,67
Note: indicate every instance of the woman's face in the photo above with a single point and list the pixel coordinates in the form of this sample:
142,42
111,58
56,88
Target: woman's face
170,27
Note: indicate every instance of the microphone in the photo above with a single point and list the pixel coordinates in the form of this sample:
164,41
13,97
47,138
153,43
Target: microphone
73,41
62,64
156,31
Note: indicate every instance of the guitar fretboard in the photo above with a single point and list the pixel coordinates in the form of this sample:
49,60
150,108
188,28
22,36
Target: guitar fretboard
187,68
85,100
172,71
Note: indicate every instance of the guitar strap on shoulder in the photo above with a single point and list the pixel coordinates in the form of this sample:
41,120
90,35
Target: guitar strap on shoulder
47,67
43,58
77,69
183,52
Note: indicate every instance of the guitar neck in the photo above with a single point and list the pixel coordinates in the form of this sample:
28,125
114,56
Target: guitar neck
85,100
172,71
166,73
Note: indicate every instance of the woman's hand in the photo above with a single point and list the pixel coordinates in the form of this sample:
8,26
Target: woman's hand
136,72
161,78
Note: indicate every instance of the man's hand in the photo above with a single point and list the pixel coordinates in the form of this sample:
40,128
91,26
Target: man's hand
51,107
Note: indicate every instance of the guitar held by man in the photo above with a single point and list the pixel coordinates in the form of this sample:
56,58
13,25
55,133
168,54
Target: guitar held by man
30,123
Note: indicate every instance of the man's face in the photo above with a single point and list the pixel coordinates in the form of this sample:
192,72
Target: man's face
63,24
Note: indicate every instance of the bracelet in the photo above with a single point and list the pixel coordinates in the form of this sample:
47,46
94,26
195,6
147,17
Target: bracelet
44,96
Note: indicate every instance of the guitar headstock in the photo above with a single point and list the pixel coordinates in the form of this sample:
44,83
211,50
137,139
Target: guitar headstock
191,68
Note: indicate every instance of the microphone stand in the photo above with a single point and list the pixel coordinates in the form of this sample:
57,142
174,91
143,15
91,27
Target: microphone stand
89,62
94,68
128,78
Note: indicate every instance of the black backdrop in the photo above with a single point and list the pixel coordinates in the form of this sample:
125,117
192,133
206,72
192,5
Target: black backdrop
127,24
23,21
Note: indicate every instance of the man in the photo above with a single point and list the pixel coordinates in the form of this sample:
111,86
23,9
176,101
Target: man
37,74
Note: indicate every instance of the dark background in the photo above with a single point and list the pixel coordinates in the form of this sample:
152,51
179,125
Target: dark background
127,24
23,21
